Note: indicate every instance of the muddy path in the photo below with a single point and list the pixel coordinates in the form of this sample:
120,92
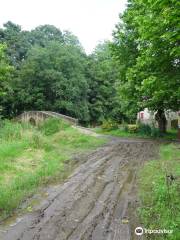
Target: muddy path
95,203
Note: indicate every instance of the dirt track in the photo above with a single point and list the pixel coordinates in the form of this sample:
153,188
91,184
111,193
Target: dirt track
95,203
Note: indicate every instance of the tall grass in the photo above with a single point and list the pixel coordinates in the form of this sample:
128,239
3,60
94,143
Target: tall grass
159,190
52,125
31,156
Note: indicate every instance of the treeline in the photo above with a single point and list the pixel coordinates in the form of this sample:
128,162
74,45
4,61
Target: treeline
46,69
146,47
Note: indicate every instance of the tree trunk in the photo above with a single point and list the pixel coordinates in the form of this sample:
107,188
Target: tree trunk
161,119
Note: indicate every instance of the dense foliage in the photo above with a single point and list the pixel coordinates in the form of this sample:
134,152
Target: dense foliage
147,50
46,69
103,76
5,73
52,72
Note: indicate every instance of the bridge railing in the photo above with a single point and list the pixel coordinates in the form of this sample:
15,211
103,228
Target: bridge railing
59,115
38,116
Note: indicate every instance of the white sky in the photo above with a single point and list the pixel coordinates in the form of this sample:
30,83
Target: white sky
90,20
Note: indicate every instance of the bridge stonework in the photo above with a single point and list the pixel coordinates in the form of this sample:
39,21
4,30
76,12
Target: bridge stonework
35,117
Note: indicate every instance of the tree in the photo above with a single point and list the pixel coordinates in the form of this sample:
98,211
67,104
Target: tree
71,40
17,43
44,34
102,75
53,78
124,50
153,80
5,74
49,71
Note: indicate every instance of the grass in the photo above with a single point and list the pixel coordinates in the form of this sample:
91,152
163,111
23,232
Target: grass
170,135
33,156
159,191
116,132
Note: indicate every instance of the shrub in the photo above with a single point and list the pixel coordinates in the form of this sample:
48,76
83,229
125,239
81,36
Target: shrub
109,125
132,128
145,129
155,132
124,127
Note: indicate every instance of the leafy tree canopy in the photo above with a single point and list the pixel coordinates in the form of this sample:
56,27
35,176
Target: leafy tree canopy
5,74
53,78
146,47
102,75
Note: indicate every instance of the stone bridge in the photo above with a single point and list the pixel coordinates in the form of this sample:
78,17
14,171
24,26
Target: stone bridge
35,117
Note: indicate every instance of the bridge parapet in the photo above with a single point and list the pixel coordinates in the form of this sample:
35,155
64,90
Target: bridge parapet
35,117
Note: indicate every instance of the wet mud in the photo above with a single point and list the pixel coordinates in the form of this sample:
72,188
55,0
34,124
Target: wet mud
97,202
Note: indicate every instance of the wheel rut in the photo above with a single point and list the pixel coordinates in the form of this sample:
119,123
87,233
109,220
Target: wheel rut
93,204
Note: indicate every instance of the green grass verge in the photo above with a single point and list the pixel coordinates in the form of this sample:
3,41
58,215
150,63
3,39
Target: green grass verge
170,135
33,156
159,195
119,133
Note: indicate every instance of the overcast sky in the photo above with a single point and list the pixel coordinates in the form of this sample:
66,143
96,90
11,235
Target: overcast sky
90,20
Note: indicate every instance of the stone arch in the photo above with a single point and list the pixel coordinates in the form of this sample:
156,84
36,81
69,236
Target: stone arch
32,121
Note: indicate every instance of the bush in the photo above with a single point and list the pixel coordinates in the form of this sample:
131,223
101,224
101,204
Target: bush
124,127
145,129
109,125
133,128
155,132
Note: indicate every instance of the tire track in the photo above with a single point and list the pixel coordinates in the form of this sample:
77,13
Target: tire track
93,203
